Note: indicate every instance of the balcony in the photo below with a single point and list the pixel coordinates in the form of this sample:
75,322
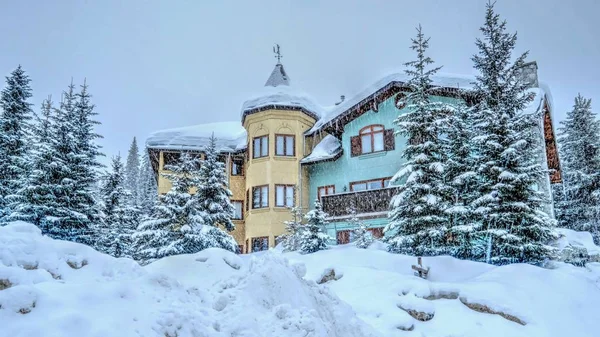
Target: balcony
369,201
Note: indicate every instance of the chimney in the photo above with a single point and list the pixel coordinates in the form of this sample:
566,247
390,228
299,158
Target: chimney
342,98
528,75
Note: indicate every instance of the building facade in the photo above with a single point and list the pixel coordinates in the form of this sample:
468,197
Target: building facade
288,151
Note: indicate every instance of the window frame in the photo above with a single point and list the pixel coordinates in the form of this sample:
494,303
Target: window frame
285,139
320,188
241,209
259,238
260,147
369,131
260,196
242,169
366,182
285,186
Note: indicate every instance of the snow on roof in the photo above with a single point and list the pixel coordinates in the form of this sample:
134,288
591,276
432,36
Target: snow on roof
281,96
328,148
441,80
278,77
231,136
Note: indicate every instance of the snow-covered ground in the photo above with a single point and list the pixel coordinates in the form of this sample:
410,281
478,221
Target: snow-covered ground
56,288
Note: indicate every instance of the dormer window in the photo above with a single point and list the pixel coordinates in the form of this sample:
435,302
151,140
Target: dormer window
371,139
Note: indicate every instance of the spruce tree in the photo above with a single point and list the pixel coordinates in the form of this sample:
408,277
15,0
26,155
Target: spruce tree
418,222
176,224
15,114
513,226
212,192
579,145
132,173
293,228
362,237
461,177
38,197
120,218
147,187
312,238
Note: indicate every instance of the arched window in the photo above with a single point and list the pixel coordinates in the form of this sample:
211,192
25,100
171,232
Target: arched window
371,138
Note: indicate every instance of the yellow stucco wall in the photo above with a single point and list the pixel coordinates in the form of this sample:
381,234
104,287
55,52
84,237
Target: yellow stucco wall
274,170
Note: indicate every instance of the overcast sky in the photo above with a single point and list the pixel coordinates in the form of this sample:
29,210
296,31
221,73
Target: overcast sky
159,64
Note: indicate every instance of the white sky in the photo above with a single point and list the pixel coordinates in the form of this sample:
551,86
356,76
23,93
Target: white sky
160,64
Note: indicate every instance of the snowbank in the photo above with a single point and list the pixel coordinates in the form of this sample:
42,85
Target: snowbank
60,288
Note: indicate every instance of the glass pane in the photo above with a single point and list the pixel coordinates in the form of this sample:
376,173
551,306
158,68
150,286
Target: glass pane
359,187
256,198
279,196
366,143
264,146
330,190
373,185
265,196
378,128
289,196
238,210
289,145
386,183
279,146
256,148
378,142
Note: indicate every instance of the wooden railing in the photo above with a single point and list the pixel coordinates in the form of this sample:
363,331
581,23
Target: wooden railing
369,201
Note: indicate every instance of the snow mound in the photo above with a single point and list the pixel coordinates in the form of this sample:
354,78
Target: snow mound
231,136
328,148
211,293
281,96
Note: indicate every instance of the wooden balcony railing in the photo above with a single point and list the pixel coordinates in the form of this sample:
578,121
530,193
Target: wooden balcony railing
369,201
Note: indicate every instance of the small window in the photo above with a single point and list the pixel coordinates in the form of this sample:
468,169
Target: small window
171,158
247,199
260,196
372,139
237,166
325,190
238,209
284,145
260,147
284,195
373,184
260,244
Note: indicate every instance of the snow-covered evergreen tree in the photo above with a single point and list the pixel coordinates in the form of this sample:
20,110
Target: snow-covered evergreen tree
461,178
147,187
418,222
579,146
513,226
293,229
120,218
362,237
312,238
37,197
176,225
212,191
132,173
15,114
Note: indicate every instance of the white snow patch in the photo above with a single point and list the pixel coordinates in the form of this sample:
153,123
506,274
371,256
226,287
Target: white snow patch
231,136
328,148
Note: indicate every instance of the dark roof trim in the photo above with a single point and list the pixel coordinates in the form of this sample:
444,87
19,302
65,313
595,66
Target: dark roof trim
278,107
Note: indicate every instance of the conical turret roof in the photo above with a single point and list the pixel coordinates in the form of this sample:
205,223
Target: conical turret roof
278,77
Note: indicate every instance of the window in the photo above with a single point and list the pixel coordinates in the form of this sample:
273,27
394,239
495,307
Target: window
238,206
371,138
260,147
171,158
325,190
373,184
284,195
284,145
240,249
237,166
260,244
260,196
247,200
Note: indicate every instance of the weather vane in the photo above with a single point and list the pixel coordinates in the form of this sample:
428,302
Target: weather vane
277,53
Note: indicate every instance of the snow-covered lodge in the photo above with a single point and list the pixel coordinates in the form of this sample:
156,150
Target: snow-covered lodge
286,150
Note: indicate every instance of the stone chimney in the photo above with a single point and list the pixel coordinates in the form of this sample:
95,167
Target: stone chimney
528,74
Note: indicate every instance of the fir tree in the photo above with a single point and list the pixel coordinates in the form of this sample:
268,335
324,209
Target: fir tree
461,178
512,224
120,217
147,187
176,225
312,238
362,237
293,228
579,145
212,192
132,173
37,197
418,222
15,115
